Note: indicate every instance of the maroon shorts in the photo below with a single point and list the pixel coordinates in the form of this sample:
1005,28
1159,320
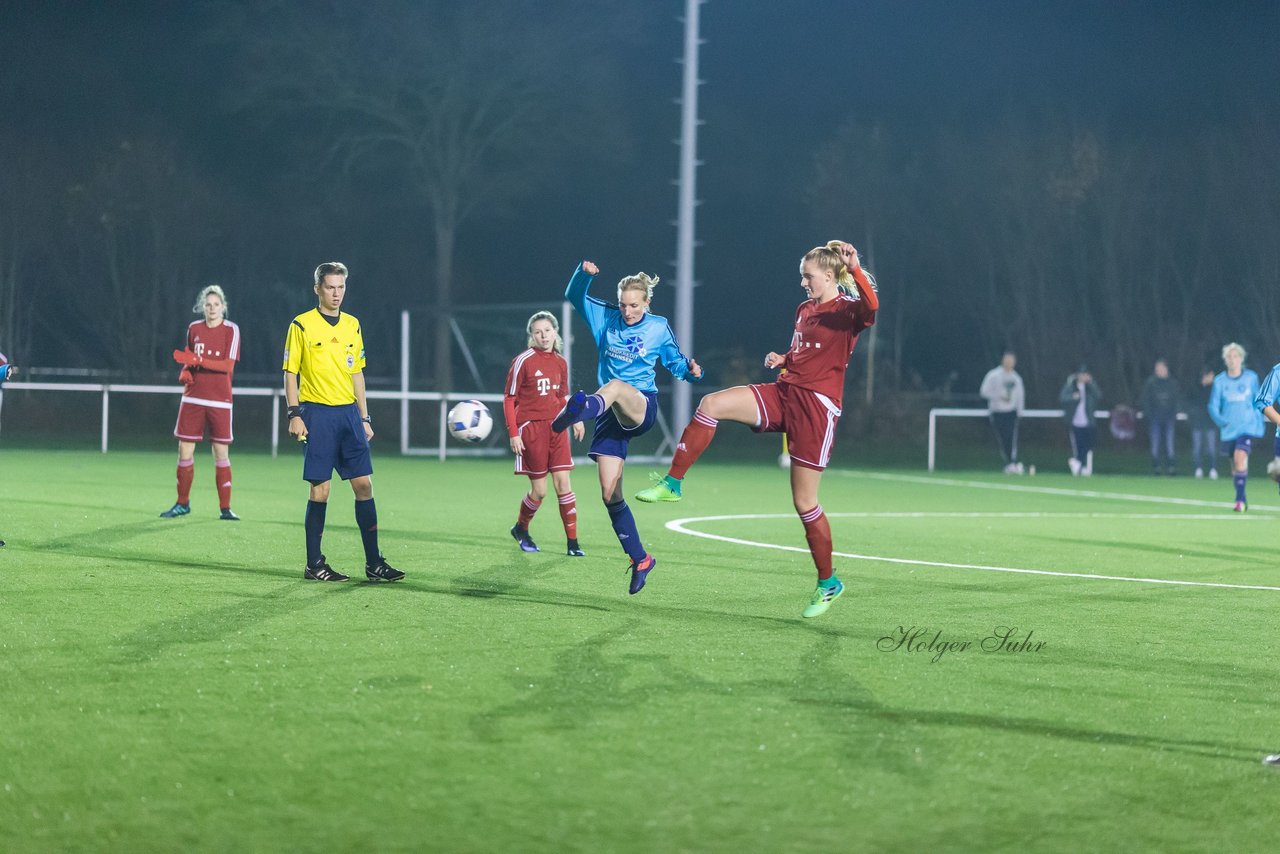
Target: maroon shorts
193,418
806,417
544,450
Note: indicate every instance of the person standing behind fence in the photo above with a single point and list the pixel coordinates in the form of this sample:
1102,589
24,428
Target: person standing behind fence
1006,397
1080,397
1204,433
1160,401
536,390
208,361
1231,405
325,392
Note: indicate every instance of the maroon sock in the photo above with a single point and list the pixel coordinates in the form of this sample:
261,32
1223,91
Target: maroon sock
817,530
186,473
693,441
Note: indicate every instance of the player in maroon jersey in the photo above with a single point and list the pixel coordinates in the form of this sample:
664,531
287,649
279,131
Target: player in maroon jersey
804,403
208,361
537,387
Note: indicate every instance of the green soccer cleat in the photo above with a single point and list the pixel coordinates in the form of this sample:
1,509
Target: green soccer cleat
662,489
822,599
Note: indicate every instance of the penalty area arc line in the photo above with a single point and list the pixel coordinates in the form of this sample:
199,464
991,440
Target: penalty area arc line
680,526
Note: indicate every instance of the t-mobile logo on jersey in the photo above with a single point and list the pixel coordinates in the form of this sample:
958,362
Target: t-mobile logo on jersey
544,386
798,343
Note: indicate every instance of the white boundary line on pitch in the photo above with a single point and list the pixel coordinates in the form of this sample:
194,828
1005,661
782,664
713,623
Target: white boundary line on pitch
1043,490
679,526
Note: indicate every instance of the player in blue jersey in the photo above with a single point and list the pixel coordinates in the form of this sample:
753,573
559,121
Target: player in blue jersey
1265,403
631,342
1231,406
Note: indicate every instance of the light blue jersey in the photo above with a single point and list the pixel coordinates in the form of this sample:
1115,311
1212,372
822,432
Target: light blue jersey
627,353
1270,391
1231,406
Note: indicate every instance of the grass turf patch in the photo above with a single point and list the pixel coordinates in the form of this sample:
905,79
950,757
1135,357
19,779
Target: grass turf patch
175,684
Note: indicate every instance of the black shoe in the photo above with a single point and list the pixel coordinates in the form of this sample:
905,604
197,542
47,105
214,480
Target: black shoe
1,544
522,537
175,511
321,571
383,571
574,550
228,515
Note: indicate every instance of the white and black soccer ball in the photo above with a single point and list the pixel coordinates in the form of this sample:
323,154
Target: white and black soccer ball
470,422
1273,469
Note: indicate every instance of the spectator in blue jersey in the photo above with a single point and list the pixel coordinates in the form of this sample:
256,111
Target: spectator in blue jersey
6,371
1204,433
1231,405
1266,400
1080,397
1160,401
631,342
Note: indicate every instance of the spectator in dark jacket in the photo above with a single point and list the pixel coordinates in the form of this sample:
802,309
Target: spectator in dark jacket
1160,402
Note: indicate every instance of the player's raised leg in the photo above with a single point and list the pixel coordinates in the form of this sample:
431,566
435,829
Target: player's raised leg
738,404
621,396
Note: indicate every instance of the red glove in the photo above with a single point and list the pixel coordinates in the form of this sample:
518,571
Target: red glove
186,377
186,357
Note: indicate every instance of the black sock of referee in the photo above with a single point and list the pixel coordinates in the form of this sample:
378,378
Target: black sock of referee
367,522
315,529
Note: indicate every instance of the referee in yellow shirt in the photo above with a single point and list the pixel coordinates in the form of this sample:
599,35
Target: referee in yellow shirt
324,389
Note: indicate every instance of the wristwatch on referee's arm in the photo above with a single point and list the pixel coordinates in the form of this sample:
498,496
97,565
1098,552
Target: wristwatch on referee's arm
366,419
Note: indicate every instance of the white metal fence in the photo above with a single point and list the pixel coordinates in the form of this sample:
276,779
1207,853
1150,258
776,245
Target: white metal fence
275,400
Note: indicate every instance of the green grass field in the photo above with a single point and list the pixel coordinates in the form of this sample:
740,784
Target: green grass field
174,685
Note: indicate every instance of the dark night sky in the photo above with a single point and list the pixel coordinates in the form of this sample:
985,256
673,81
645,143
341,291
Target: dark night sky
780,77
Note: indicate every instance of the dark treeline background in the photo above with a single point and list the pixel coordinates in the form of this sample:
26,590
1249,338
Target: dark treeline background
1083,183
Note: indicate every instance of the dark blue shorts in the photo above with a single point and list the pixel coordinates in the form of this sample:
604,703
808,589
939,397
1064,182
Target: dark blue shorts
610,438
1240,443
335,440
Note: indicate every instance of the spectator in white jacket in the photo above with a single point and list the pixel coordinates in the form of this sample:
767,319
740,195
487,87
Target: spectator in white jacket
1006,397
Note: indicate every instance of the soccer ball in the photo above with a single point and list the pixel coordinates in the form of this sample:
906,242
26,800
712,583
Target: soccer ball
470,421
1273,469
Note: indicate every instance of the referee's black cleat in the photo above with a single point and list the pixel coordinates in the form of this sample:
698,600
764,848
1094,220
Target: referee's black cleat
228,515
382,571
175,511
321,571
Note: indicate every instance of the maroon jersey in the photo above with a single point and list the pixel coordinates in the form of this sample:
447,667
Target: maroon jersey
221,344
824,340
536,389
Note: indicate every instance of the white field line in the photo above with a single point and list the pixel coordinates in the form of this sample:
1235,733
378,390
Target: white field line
1049,490
680,526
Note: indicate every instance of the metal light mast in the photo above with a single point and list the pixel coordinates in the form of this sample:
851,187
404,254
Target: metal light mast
687,184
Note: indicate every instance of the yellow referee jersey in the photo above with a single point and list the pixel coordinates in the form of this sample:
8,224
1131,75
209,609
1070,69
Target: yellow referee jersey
324,356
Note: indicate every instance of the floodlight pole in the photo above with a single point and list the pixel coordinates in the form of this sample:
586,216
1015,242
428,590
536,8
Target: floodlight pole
687,184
